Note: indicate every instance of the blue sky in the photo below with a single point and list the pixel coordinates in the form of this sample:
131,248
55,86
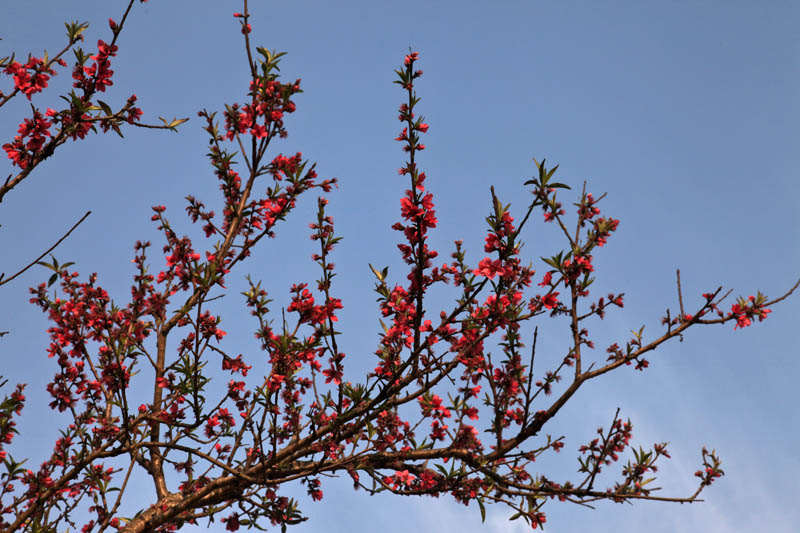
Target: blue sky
684,113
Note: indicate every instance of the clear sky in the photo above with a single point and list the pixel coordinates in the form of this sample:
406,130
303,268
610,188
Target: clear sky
685,113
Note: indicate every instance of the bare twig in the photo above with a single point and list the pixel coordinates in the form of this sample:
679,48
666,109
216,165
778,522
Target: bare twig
78,223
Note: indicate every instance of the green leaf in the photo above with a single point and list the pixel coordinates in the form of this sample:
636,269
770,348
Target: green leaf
554,261
74,29
105,107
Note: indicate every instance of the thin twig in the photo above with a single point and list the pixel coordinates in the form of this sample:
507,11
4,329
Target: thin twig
776,300
530,373
78,223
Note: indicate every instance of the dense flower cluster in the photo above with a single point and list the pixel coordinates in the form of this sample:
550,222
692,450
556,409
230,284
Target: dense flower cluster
97,76
32,134
35,142
32,76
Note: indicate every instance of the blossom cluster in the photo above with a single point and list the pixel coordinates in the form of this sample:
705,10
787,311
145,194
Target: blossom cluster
32,76
34,141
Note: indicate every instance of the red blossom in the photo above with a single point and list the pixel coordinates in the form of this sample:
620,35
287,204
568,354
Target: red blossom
97,76
550,300
36,131
32,77
490,268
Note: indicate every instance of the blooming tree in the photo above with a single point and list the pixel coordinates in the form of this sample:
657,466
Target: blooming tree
457,403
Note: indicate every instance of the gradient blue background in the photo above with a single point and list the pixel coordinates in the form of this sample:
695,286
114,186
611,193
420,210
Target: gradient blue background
685,113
